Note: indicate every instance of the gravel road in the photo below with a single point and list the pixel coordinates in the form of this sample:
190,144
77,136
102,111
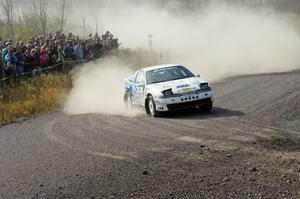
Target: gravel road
247,147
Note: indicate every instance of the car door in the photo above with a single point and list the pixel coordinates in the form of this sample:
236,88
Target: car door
139,88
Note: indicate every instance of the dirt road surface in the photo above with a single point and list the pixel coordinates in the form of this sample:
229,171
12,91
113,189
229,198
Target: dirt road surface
247,147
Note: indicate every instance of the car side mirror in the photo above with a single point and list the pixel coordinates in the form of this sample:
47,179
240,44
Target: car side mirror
130,80
198,75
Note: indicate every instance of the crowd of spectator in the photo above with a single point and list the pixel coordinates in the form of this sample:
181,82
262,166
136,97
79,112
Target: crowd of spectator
42,51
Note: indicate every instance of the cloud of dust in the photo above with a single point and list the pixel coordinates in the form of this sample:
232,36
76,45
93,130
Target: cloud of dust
217,42
98,88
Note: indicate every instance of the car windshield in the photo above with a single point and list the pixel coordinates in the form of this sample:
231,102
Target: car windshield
168,74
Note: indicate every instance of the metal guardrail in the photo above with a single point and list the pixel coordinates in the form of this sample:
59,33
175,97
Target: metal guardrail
62,66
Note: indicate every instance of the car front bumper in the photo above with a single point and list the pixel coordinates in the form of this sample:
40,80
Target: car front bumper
184,101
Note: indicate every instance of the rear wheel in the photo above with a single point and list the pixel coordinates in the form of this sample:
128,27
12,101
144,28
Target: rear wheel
127,100
151,107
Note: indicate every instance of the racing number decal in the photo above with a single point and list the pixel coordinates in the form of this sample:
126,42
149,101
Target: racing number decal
187,90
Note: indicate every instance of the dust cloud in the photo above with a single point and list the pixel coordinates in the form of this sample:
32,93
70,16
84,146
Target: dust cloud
216,42
98,88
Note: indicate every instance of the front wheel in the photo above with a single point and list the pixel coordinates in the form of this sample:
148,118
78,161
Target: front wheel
208,107
151,107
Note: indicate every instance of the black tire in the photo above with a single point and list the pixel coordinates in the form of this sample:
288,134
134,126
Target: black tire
127,100
208,107
151,107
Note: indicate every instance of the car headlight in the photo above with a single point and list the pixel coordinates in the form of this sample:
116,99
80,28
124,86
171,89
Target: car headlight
205,86
167,93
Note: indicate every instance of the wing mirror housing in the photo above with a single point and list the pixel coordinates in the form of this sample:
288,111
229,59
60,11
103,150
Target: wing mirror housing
198,76
130,80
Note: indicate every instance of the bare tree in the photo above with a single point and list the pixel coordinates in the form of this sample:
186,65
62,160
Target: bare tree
43,8
29,16
34,17
84,26
39,16
7,11
61,12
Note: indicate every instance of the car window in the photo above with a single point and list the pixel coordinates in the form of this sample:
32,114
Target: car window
168,74
140,78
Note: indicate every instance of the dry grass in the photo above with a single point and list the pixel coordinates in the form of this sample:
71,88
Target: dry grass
32,96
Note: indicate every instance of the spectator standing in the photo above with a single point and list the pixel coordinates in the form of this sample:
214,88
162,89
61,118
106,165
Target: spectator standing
44,48
22,46
10,63
33,56
52,52
69,52
28,62
5,50
36,56
19,61
79,52
44,59
60,54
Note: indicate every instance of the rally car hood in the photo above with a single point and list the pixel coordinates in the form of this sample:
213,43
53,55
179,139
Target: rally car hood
177,86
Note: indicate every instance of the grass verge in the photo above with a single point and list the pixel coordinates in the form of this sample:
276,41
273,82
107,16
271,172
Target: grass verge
32,96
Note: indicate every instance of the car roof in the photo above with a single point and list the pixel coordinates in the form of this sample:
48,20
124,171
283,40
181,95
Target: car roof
159,67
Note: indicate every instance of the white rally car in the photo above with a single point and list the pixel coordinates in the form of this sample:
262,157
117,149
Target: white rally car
167,88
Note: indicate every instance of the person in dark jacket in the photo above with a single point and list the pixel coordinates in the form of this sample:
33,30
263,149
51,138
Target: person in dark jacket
19,61
29,63
36,56
69,52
